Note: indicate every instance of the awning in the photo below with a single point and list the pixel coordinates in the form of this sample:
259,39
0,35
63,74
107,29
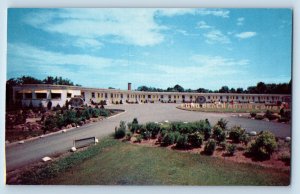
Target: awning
40,91
56,91
25,91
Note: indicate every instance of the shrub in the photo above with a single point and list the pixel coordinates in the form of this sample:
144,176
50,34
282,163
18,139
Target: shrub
218,133
70,117
128,136
263,146
235,133
168,139
210,147
120,132
146,134
253,114
153,128
182,141
222,123
231,148
259,117
104,112
49,105
195,139
285,157
138,139
135,121
245,138
223,145
50,124
135,127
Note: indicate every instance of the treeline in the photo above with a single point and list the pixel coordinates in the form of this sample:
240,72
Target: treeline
260,88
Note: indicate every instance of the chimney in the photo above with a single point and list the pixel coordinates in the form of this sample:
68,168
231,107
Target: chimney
129,86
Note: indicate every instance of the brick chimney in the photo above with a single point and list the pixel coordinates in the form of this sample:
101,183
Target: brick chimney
129,86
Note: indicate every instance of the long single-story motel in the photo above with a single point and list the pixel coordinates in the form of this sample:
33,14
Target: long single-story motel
38,94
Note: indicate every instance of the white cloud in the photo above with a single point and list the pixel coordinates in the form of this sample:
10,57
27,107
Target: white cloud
170,12
245,35
87,43
216,36
203,25
240,21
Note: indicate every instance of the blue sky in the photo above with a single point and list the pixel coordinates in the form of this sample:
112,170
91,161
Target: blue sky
194,48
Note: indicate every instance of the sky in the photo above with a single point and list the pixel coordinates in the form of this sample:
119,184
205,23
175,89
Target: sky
195,48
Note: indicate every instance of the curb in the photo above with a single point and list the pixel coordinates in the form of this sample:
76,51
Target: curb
58,132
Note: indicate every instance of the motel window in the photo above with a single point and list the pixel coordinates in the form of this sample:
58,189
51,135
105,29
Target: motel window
227,97
236,97
105,95
93,94
243,97
127,95
101,95
121,95
170,97
143,96
56,95
221,97
98,95
112,95
28,95
69,95
183,96
41,95
82,94
208,97
161,96
268,98
191,97
149,96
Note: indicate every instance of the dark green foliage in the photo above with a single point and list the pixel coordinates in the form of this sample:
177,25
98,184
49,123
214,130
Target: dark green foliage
50,123
245,138
195,139
168,139
70,117
128,135
231,148
146,134
182,141
218,133
210,147
135,121
236,133
223,145
120,131
153,128
271,116
264,145
253,114
259,117
222,123
138,139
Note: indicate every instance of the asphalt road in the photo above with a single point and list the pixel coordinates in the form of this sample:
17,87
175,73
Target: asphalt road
19,155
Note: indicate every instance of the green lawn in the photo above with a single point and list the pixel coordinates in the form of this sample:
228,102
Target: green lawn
112,162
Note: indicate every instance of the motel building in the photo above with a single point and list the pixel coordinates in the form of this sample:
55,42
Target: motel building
41,94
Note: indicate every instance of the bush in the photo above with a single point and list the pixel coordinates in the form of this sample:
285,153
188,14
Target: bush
222,123
50,124
104,112
210,147
182,141
120,132
285,157
259,117
135,127
168,139
253,114
128,136
195,139
245,138
223,145
231,148
138,139
146,134
235,133
135,121
218,133
153,128
263,146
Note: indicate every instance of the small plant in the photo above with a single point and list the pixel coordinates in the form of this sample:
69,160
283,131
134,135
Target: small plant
153,128
120,132
182,141
218,133
210,147
253,114
245,138
128,136
223,145
168,139
231,148
222,123
285,157
235,133
263,146
195,139
138,139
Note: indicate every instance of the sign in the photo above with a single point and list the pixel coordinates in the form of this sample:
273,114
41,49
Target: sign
79,143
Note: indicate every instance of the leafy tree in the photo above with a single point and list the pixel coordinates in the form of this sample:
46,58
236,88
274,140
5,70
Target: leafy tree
224,89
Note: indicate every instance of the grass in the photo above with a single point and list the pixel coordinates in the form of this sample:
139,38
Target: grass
226,110
112,162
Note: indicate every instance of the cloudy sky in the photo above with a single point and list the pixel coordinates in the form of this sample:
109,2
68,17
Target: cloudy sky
195,48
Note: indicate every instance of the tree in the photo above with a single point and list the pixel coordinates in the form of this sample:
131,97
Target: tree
178,88
239,90
224,89
261,88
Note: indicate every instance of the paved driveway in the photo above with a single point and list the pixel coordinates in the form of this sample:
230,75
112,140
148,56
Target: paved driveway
22,154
